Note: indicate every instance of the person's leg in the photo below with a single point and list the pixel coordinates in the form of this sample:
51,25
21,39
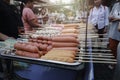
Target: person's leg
101,32
113,44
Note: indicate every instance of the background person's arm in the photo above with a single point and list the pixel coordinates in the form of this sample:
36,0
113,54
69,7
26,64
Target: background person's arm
111,16
115,19
90,16
106,16
34,23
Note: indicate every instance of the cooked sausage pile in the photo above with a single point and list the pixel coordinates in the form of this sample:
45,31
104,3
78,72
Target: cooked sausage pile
60,55
59,48
65,43
35,48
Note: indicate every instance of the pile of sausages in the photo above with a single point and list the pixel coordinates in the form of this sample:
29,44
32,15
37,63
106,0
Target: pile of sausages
60,48
35,48
68,40
65,43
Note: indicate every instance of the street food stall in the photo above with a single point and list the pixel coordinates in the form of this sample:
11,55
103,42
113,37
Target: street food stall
59,50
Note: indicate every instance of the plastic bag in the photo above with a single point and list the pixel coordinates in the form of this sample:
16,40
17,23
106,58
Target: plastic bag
10,42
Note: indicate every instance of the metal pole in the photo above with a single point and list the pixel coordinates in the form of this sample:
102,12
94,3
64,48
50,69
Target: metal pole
87,2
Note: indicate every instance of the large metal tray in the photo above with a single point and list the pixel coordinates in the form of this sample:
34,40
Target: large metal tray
74,66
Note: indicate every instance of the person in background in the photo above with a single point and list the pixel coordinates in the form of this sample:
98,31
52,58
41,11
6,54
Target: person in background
117,68
29,19
98,17
44,14
62,17
114,34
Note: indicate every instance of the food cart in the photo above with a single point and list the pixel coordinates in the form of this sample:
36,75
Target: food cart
42,69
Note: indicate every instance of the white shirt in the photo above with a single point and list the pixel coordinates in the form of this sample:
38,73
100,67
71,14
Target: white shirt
116,10
99,16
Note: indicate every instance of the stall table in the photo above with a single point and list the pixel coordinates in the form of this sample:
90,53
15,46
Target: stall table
77,68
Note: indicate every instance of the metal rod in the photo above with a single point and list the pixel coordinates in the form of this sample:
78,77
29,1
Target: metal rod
86,27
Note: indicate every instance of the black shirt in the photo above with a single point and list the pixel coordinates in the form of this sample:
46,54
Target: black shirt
9,20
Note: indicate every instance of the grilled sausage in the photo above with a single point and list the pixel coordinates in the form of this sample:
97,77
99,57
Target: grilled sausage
63,44
27,54
26,47
43,46
68,35
68,48
64,39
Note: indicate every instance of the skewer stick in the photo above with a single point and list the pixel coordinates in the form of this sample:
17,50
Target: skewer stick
93,41
102,56
104,50
100,62
93,34
101,59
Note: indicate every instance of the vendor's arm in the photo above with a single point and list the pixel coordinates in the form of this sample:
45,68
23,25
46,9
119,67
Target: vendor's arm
111,17
3,36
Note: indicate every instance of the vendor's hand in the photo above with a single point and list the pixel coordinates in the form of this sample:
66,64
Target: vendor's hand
111,18
115,19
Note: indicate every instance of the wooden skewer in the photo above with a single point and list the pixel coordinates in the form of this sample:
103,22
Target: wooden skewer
104,54
94,34
94,42
101,59
82,37
95,56
96,50
94,45
101,62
